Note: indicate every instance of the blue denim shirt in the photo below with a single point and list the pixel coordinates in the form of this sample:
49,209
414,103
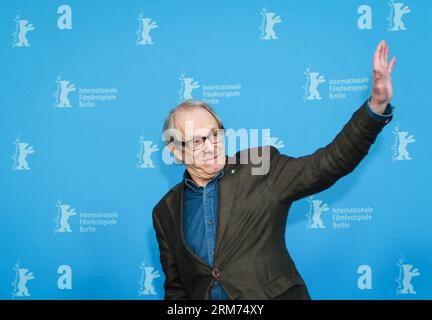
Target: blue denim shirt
200,214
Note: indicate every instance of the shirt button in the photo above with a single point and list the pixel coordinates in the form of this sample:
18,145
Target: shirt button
216,273
209,222
208,194
212,252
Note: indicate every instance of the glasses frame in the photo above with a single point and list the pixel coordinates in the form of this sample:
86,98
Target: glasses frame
187,144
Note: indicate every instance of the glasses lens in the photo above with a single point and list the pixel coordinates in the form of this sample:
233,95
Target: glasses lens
197,143
216,136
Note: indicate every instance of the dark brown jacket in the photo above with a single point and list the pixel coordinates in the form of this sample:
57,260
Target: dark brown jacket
251,260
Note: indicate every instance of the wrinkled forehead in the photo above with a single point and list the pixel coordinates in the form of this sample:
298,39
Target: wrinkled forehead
194,121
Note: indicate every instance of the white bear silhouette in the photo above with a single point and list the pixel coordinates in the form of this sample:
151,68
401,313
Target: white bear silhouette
23,278
23,150
399,11
189,85
65,89
404,139
316,216
24,27
146,26
314,81
408,274
271,20
150,275
148,149
66,211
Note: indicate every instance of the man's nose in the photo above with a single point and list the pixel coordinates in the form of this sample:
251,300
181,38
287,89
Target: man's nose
208,146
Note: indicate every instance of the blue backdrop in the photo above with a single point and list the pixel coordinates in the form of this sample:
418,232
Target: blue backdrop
85,87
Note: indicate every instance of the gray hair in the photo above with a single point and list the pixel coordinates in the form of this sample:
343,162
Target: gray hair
169,124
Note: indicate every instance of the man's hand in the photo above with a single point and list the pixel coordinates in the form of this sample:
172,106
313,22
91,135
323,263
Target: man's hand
382,90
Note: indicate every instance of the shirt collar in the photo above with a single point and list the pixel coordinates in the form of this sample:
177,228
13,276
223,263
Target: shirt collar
191,184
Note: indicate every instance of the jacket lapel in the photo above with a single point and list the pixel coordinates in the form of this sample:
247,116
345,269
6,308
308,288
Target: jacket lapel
175,206
227,190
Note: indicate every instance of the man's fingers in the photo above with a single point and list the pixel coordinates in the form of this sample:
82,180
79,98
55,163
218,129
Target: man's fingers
383,53
391,65
382,50
377,53
381,58
386,52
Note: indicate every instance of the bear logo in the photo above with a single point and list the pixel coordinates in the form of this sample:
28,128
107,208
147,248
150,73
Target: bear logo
23,277
147,148
23,27
314,79
65,212
150,274
398,10
146,25
408,274
65,88
317,209
23,150
270,19
402,141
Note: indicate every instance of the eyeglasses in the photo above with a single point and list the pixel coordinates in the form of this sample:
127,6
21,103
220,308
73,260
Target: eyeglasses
197,143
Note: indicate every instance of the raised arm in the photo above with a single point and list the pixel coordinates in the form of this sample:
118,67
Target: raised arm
293,178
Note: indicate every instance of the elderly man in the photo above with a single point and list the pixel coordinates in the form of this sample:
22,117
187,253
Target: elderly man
221,230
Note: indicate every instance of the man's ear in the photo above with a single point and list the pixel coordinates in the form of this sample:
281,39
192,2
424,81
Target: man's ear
176,152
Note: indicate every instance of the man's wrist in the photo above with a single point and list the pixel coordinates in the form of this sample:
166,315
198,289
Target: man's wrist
385,117
378,107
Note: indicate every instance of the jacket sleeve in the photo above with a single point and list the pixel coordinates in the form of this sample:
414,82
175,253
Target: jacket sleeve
291,178
174,288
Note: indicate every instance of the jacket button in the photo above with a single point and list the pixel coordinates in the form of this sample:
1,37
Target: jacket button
216,273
